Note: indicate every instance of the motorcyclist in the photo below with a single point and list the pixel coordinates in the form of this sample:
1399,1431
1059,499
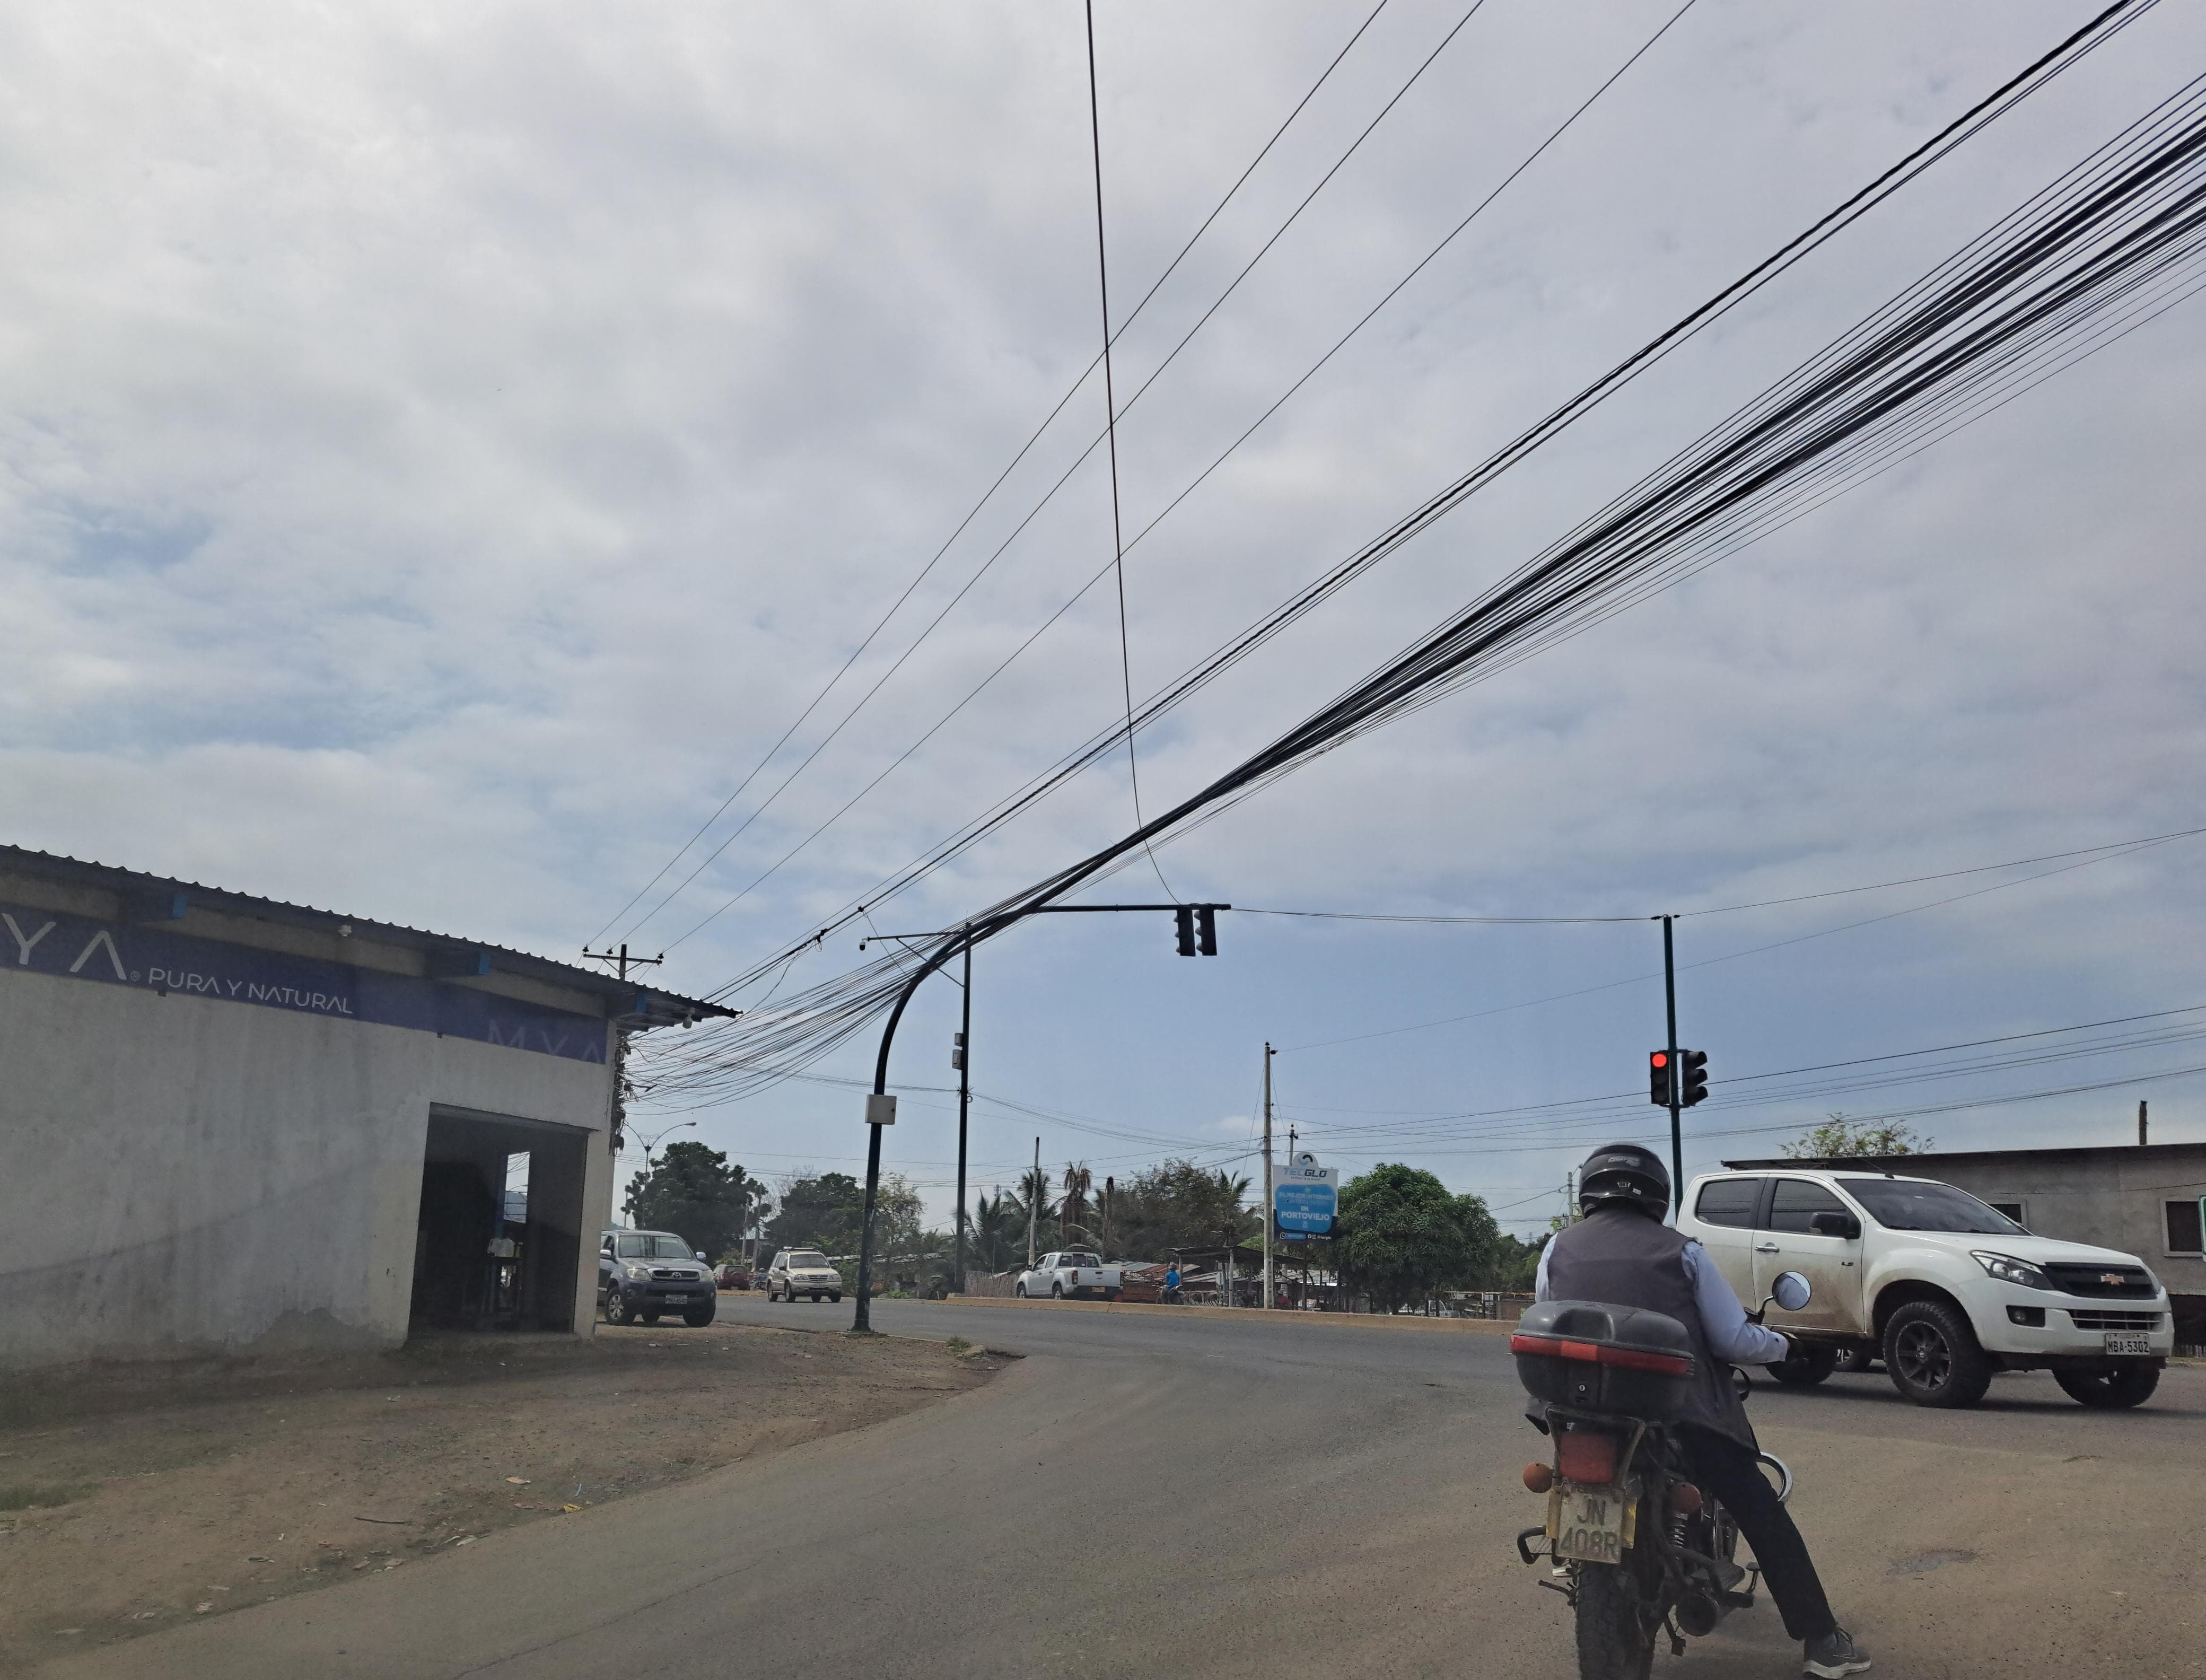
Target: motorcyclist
1621,1253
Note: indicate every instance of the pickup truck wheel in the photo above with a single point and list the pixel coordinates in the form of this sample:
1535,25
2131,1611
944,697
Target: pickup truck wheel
1807,1367
1057,1291
1020,1289
2109,1390
1933,1356
835,1300
698,1318
617,1310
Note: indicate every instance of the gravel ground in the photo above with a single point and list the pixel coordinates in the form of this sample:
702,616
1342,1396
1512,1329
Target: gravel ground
133,1499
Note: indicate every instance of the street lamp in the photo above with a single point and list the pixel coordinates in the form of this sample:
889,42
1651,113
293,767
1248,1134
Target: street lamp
652,1143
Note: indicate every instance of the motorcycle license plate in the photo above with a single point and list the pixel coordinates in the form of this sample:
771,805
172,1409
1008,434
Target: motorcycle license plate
1591,1524
2139,1345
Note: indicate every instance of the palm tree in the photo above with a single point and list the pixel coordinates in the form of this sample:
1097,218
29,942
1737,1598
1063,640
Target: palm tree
1072,1213
1035,1207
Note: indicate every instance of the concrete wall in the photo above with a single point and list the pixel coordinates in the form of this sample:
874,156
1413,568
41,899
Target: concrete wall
183,1175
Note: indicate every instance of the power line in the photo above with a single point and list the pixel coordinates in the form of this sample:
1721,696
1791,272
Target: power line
973,513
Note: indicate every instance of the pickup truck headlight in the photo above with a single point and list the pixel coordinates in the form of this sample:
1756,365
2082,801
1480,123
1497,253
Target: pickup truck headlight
2009,1270
638,1274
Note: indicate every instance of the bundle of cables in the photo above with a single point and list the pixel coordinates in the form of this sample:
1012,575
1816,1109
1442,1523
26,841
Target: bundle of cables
2114,241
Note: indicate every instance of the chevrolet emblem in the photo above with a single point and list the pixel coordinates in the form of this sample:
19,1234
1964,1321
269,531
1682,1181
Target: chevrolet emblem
2113,1279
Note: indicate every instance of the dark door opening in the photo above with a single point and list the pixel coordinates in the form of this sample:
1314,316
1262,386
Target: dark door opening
498,1239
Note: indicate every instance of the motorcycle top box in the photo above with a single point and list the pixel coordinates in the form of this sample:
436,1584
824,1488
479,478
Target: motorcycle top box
1599,1358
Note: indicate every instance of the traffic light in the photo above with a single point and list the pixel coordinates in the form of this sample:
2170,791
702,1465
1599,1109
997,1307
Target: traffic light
1693,1072
1185,917
1658,1078
1206,929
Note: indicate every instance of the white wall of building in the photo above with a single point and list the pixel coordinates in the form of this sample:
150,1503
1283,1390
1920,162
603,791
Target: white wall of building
183,1176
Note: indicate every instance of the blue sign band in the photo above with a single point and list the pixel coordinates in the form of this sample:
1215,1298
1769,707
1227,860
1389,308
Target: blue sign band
153,959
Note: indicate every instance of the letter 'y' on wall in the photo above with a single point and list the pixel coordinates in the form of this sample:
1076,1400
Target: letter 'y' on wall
100,939
23,945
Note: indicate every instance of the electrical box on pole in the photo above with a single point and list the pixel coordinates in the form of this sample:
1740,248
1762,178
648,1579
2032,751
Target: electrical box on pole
1658,1078
956,1050
1693,1076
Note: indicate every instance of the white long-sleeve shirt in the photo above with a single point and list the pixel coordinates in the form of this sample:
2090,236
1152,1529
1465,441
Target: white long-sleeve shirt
1732,1334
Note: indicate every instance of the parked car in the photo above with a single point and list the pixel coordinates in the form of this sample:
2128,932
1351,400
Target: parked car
1944,1289
1071,1274
642,1274
733,1276
797,1272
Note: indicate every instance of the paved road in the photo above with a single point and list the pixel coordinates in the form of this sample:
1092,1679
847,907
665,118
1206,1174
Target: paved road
1154,1494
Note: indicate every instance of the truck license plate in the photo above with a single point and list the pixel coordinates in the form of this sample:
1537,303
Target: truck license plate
675,1300
1592,1525
2128,1345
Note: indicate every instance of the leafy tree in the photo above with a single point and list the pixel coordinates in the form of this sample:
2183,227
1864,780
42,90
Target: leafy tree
692,1191
1514,1266
997,1231
1401,1236
819,1211
1180,1205
1072,1213
1838,1138
1031,1205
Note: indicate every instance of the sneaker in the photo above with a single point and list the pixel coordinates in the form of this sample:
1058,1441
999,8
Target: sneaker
1831,1655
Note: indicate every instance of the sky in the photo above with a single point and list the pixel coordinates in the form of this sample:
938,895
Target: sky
443,453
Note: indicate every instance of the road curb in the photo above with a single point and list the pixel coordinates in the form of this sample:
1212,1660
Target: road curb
1243,1315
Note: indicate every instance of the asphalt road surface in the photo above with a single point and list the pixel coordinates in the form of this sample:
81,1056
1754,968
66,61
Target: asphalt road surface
1151,1494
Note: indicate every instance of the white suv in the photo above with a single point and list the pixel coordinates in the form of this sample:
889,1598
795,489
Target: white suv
797,1272
1943,1289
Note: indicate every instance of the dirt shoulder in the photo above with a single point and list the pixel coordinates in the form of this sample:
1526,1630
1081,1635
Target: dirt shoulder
131,1499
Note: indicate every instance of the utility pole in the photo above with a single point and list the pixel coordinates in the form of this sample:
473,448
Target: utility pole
2140,1123
1268,1054
1033,1204
964,1109
623,960
1677,1131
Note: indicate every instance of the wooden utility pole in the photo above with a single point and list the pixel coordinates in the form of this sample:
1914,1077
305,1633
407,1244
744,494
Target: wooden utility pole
1033,1204
1267,1174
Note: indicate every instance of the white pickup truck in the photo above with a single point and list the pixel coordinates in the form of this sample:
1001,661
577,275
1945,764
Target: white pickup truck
1944,1289
1069,1275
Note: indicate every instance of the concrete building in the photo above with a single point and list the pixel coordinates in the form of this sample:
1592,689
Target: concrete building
232,1125
2142,1199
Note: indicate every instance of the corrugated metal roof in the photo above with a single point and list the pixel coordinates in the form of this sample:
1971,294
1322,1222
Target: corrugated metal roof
663,1007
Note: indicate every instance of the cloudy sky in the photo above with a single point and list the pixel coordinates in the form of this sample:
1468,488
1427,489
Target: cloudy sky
441,455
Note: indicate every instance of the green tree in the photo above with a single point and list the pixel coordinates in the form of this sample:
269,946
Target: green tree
819,1211
1030,1203
1180,1205
1401,1236
1838,1139
1072,1213
692,1191
996,1230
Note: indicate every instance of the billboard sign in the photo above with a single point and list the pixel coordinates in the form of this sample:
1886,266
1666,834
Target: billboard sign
1304,1197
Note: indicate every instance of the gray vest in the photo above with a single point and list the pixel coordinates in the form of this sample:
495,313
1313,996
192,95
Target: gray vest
1622,1257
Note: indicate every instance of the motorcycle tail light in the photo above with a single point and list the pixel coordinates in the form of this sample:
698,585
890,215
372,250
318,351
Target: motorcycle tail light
1684,1498
1538,1478
1602,1353
1586,1456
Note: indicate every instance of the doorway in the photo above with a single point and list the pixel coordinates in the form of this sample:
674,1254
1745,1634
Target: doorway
498,1238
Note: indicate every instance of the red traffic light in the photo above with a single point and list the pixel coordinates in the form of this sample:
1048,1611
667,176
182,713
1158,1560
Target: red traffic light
1659,1058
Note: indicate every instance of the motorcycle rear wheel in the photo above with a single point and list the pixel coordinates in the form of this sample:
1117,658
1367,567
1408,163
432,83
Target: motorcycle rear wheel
1616,1626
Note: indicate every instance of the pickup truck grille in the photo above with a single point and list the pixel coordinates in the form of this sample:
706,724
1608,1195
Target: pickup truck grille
666,1275
2115,1320
2072,1279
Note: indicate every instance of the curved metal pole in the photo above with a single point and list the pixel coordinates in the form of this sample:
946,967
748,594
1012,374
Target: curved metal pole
862,1320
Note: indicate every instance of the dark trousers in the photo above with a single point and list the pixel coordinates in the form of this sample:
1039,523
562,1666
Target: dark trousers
1724,1467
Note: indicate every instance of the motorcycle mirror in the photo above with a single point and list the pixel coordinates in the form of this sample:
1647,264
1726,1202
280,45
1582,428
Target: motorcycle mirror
1790,1290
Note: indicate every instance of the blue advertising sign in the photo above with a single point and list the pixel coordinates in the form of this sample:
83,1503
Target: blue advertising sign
1304,1198
153,959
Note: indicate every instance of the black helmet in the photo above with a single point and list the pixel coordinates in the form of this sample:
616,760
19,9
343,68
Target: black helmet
1624,1172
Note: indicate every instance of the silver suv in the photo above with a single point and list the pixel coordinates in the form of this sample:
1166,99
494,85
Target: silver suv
644,1273
797,1272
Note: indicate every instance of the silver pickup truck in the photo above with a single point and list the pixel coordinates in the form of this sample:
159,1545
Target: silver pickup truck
1068,1276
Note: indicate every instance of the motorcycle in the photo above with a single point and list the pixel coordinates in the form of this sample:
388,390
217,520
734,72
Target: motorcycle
1633,1546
